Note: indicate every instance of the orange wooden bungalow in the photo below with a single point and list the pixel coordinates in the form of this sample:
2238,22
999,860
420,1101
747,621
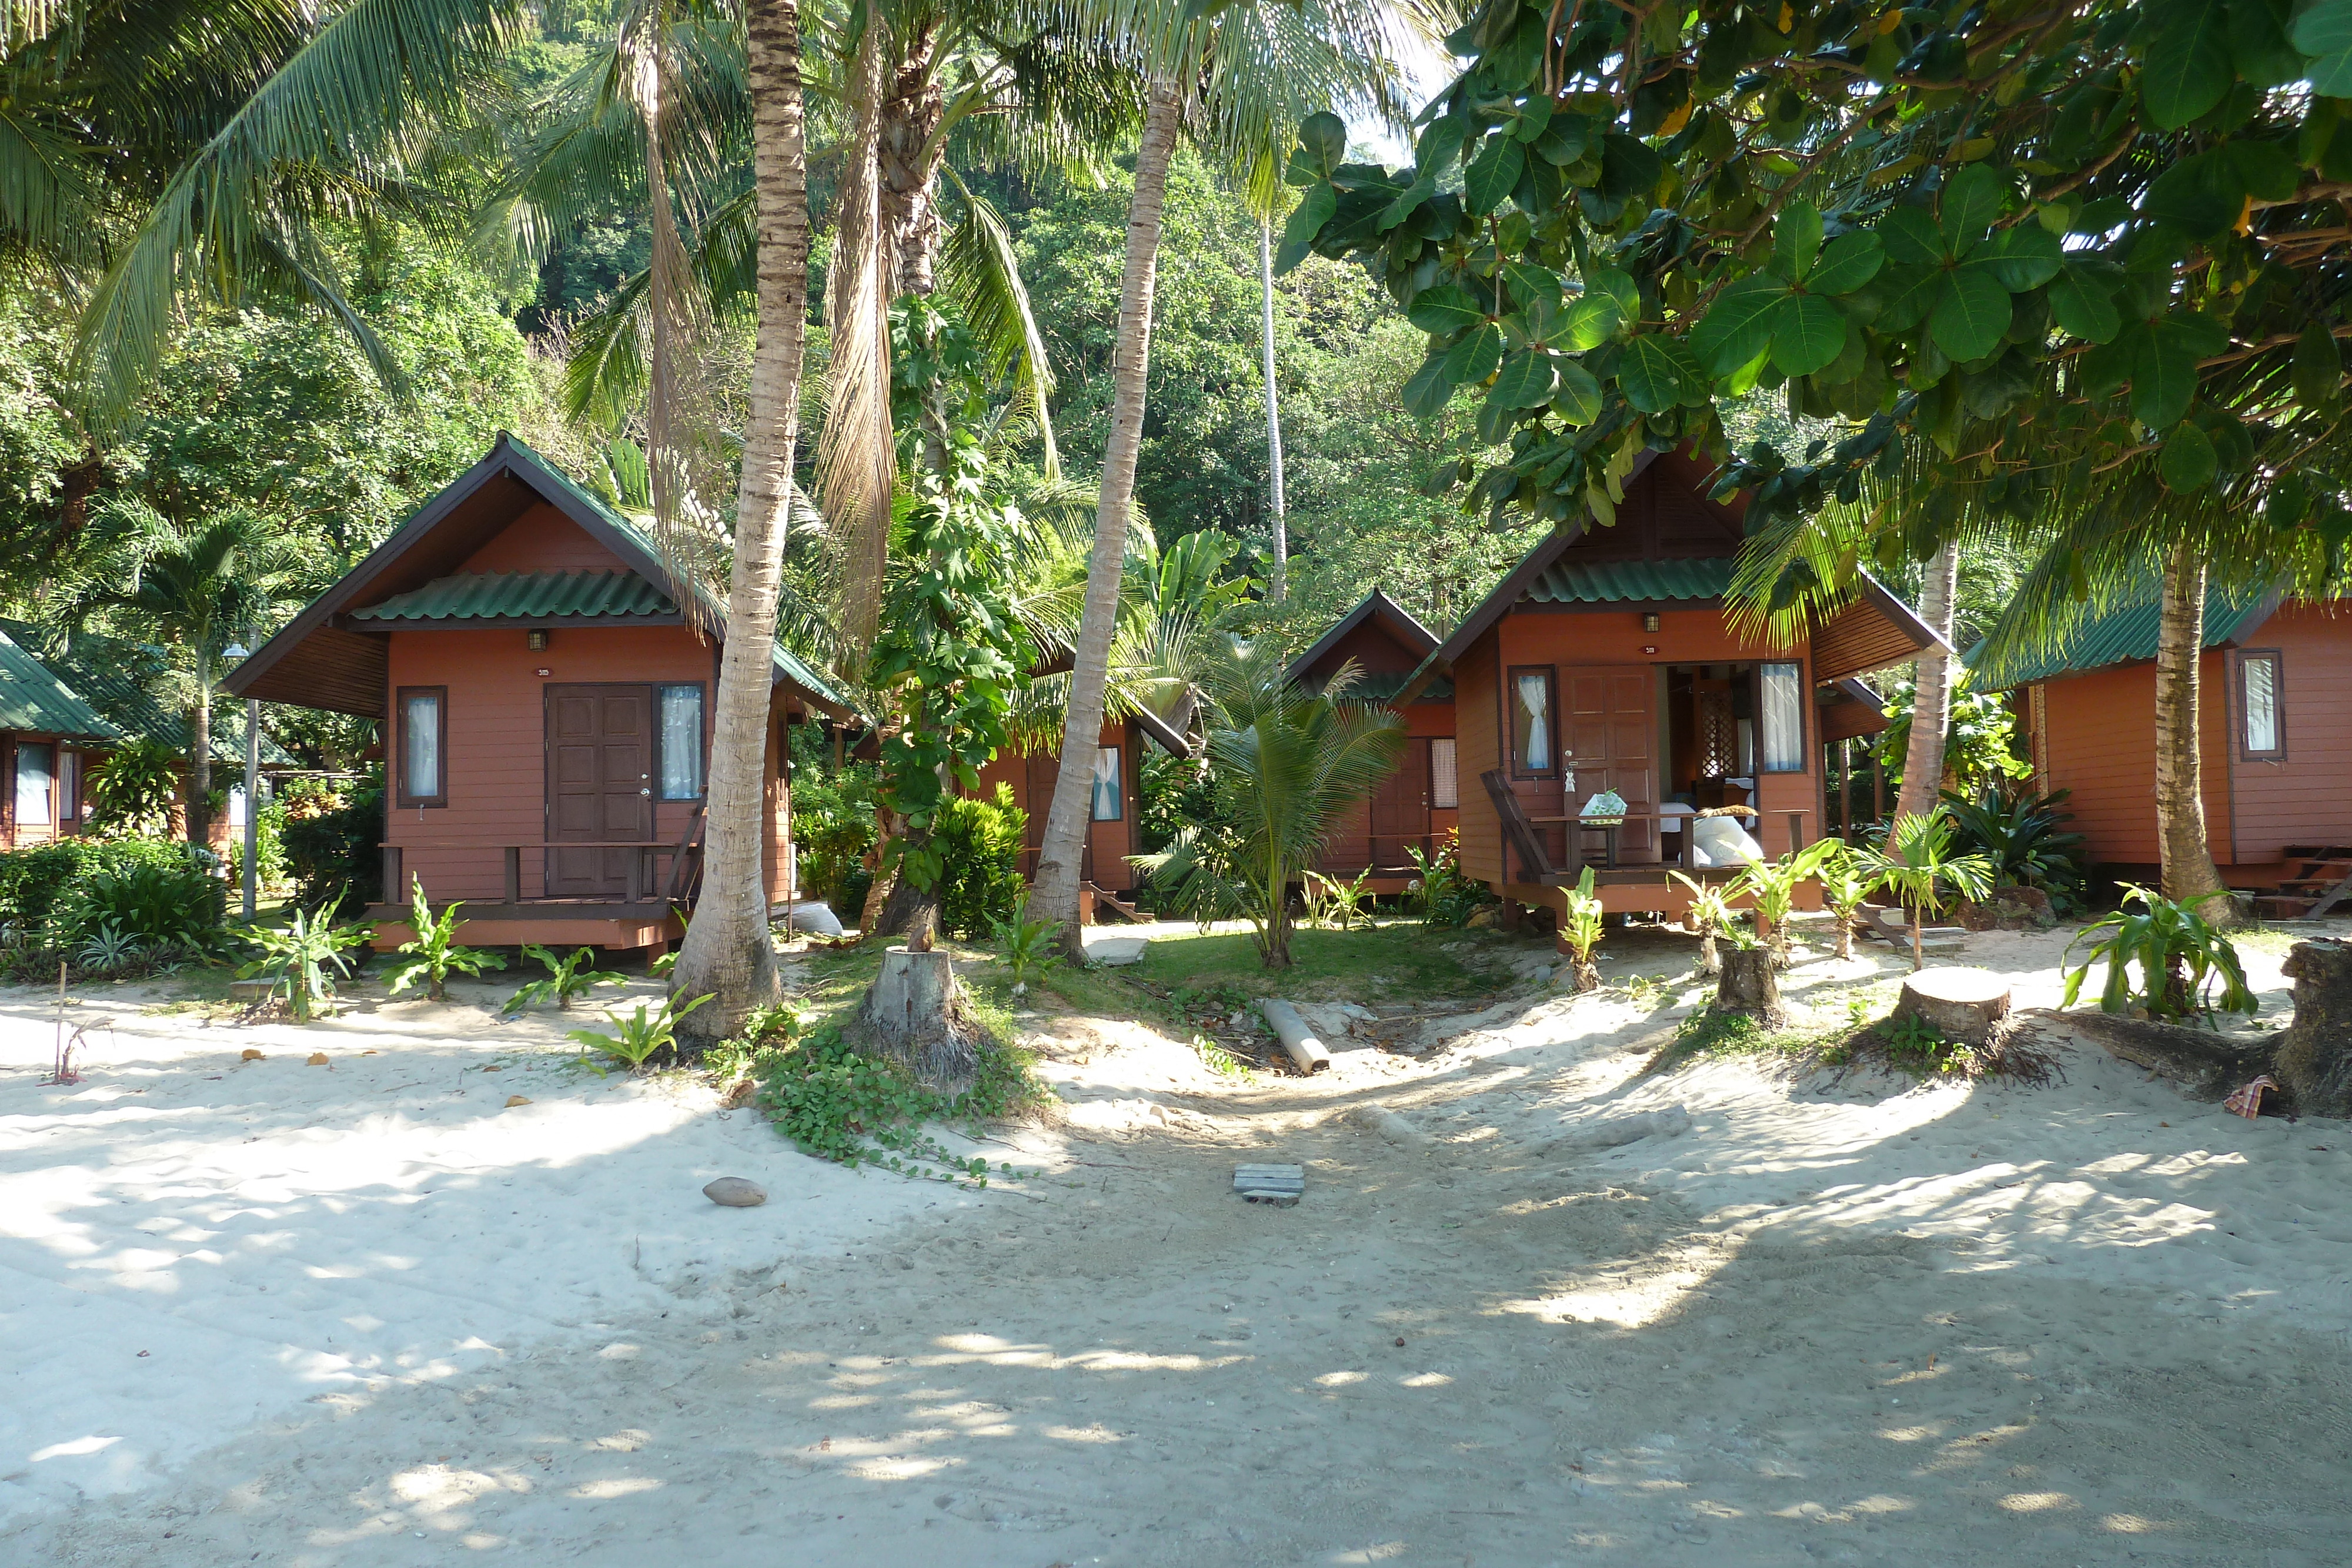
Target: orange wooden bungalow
49,738
2274,729
1106,875
546,711
1606,662
1418,806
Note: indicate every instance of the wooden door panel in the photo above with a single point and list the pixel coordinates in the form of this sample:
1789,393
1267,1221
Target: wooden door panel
599,784
1613,725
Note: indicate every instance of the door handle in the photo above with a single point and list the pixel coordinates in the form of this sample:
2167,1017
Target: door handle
645,791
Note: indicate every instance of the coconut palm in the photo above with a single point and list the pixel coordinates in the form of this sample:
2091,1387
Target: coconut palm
1287,765
727,952
195,585
1240,75
1917,865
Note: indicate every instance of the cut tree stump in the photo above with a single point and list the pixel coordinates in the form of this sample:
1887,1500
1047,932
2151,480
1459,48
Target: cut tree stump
1963,1004
2203,1063
1748,986
916,1012
2314,1054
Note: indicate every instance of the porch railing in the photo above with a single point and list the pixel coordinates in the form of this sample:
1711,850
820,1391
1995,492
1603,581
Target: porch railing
639,882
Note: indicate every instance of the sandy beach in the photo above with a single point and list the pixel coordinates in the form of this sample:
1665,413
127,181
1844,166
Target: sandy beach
1840,1319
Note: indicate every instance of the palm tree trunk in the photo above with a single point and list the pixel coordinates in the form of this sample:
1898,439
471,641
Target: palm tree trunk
908,160
1931,703
200,763
727,951
1054,894
1273,411
2189,876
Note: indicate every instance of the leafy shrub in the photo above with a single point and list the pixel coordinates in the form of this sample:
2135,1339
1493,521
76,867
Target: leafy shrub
980,841
834,829
149,904
334,853
1979,749
1447,895
2018,832
646,1033
2182,961
269,843
840,1104
433,953
297,959
134,791
1029,949
32,880
1177,792
1580,928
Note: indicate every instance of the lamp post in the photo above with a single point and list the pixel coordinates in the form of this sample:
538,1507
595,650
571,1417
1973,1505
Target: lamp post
252,868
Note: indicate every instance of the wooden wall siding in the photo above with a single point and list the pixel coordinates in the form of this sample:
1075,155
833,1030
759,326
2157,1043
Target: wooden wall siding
1108,844
1666,515
497,734
1477,711
2100,735
1857,639
1374,651
542,540
2306,797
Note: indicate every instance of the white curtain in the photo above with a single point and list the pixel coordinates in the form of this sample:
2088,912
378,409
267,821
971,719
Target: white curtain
1535,719
1107,801
1784,718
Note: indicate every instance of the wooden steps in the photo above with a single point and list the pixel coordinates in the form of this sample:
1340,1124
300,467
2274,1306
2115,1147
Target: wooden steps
1106,899
2323,880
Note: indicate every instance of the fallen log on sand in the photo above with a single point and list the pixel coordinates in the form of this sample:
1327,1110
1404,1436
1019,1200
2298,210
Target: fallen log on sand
2203,1063
1306,1050
1617,1132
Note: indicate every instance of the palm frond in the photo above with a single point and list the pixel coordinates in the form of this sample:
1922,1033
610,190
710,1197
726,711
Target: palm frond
980,276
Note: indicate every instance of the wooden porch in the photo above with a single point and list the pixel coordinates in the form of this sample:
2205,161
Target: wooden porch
659,879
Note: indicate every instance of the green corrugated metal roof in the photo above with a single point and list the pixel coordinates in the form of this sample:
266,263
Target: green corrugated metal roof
117,679
1380,688
790,663
524,596
1631,581
2122,634
33,698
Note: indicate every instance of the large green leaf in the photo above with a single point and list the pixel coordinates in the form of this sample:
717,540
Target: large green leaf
1447,307
1968,321
1323,138
2187,66
1565,140
2084,307
2259,44
2022,258
1908,294
1470,361
1426,393
2163,377
1408,203
1491,173
2187,460
1576,399
1656,373
1529,283
2325,33
1526,381
2201,195
1847,263
2319,366
1911,237
1796,240
1628,168
1740,323
1810,335
1587,322
1972,199
1620,288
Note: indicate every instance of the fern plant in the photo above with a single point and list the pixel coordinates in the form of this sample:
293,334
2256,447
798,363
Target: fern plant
298,960
2182,959
434,954
567,979
1580,929
642,1035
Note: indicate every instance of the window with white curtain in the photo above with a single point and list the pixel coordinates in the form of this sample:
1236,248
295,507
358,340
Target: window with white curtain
1781,701
1531,721
2264,734
1443,796
68,785
423,730
681,743
1107,798
35,768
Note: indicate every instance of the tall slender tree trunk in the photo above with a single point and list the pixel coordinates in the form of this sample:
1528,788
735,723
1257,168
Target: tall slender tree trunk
1273,411
1054,894
908,160
2189,876
1931,704
200,760
728,952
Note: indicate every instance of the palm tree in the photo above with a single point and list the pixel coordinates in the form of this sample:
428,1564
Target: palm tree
1242,75
1931,688
727,952
196,585
1916,863
1287,766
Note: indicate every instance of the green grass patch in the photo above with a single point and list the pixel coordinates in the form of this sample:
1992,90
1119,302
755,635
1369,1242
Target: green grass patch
1396,961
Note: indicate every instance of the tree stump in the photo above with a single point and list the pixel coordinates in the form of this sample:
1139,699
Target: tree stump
2314,1054
1963,1004
2203,1063
916,1013
1748,986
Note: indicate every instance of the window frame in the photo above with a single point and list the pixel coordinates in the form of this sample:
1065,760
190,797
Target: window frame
404,797
701,690
1455,781
1762,746
17,785
2277,659
67,786
1118,785
1511,673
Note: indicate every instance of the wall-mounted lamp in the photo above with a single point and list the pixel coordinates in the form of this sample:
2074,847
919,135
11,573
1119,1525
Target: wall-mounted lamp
536,639
235,651
1650,620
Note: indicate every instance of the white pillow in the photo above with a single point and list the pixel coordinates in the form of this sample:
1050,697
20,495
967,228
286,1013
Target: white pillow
1720,840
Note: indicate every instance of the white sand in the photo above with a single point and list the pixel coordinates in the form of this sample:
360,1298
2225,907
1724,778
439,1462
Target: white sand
1862,1321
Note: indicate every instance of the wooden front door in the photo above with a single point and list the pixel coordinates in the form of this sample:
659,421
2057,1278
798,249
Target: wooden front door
1401,808
600,786
1610,718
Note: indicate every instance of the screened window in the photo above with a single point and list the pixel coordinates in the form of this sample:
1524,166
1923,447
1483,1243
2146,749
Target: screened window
1532,722
1781,699
424,745
2264,726
68,785
35,771
681,743
1443,795
1108,805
